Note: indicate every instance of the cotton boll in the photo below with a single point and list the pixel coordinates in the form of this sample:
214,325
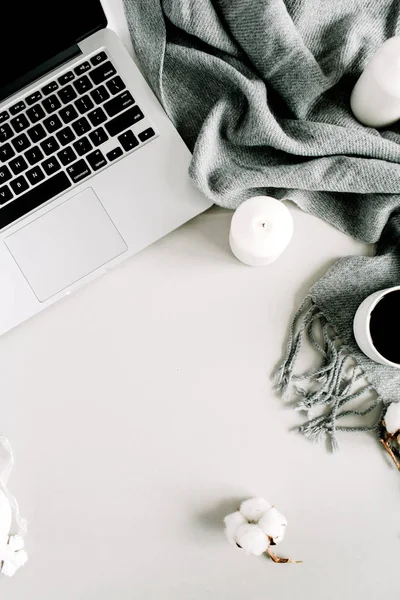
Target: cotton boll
4,550
232,523
392,418
20,558
273,523
252,539
12,559
16,543
9,569
278,539
254,509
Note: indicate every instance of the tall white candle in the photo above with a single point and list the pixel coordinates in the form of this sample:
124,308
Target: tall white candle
375,100
261,229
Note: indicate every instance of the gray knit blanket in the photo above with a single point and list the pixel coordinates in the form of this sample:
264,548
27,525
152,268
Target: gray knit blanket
259,90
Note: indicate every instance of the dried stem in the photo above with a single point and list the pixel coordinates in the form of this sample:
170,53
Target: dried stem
385,443
280,560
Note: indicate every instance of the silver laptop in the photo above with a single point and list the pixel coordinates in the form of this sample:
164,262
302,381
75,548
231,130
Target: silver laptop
91,168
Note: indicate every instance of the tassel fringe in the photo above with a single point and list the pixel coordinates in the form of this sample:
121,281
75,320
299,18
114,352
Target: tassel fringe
337,382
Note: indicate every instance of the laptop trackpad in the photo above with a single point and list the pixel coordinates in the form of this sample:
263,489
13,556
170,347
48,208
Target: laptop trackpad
65,244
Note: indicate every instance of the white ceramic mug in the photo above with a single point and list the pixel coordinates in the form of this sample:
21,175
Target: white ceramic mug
361,327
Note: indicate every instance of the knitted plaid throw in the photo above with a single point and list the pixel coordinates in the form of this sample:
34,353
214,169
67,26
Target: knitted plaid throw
259,90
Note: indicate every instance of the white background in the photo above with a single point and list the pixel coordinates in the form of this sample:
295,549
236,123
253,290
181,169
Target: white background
140,410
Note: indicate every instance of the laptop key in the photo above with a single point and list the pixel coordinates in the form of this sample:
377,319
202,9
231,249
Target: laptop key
51,165
100,94
51,104
19,123
78,170
35,197
82,68
50,87
17,108
21,143
66,78
4,116
19,185
67,94
67,156
50,145
18,165
119,103
5,194
124,120
116,85
114,154
128,140
105,71
97,116
68,114
98,136
36,133
65,136
5,174
35,175
83,84
5,132
35,113
84,104
34,155
52,124
6,152
146,134
96,160
82,146
35,97
99,58
81,126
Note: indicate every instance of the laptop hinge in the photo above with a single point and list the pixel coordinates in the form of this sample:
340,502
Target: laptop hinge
39,71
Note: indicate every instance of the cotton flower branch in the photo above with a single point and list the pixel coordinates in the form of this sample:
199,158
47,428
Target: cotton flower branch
390,435
256,527
12,553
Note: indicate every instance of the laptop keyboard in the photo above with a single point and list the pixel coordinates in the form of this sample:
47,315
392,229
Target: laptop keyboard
56,137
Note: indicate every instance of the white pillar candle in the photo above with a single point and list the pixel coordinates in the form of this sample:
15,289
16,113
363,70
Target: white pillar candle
261,229
375,100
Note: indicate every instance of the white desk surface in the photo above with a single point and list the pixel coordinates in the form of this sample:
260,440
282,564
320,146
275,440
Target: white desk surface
140,410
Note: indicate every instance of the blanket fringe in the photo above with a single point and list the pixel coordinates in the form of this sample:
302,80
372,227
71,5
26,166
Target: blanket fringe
334,384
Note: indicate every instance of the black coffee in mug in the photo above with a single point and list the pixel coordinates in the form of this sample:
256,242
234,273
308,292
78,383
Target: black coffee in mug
384,326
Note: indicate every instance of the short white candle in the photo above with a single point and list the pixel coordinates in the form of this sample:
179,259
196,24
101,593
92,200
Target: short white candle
375,100
261,229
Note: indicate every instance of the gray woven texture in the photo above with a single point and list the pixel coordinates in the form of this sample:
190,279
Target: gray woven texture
259,90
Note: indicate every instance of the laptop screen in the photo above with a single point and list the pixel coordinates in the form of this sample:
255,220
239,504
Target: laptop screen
35,31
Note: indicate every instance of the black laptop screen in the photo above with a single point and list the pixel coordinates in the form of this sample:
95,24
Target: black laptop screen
35,31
